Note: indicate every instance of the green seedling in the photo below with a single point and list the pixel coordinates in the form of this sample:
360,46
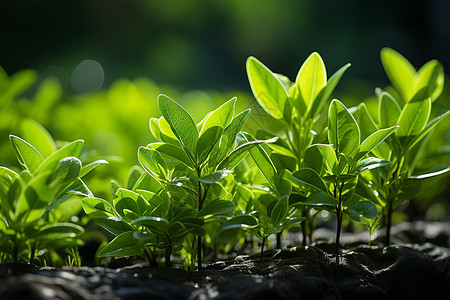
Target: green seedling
330,173
34,214
189,160
408,106
298,106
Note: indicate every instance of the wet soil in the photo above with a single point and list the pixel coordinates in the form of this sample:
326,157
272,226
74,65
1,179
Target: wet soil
416,267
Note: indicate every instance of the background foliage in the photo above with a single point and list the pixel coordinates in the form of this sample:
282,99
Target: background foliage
98,66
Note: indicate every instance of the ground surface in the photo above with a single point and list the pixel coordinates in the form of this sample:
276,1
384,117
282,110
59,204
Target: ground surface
417,267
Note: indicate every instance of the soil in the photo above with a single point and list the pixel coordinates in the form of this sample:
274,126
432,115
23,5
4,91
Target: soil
417,266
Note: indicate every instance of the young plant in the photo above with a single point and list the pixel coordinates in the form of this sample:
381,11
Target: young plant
408,106
190,159
330,173
298,106
33,211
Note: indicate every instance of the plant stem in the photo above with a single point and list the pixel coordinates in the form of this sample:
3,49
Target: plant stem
262,246
167,255
32,252
279,240
387,240
151,259
199,237
339,219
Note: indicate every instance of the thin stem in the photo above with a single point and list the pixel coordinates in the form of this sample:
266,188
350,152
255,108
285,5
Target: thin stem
262,246
279,240
339,218
199,237
151,260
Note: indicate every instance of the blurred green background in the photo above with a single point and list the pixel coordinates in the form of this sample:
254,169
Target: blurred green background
92,69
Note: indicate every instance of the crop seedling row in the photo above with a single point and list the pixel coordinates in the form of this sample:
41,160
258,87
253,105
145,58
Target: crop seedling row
210,186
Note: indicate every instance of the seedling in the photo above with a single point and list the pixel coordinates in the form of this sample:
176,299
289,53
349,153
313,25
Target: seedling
298,106
31,218
408,106
330,173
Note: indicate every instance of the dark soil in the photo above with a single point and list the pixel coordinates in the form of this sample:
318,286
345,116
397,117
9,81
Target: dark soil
417,267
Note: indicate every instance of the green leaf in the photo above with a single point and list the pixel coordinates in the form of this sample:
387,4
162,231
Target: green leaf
263,161
280,210
431,76
412,120
122,245
343,131
181,123
71,149
216,207
388,110
56,231
311,78
238,154
239,221
369,164
432,124
321,158
435,171
400,72
172,151
309,178
361,209
214,177
152,162
26,154
373,140
221,117
39,137
267,88
98,208
155,224
325,93
320,198
89,167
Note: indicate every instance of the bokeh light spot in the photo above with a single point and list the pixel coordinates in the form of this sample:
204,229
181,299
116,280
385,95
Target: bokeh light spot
87,77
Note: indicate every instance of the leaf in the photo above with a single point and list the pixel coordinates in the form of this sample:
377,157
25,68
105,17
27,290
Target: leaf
155,224
239,221
122,245
280,210
67,172
98,208
89,167
221,117
400,72
216,207
369,164
431,76
181,123
263,161
361,209
343,131
310,179
432,124
26,154
388,110
311,78
412,120
38,136
238,154
373,140
267,88
435,171
71,149
214,177
172,151
152,162
325,93
320,198
321,158
59,231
